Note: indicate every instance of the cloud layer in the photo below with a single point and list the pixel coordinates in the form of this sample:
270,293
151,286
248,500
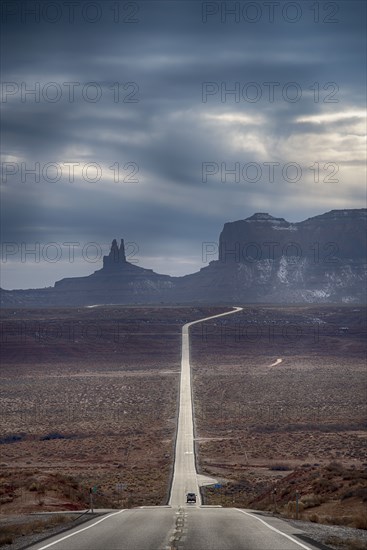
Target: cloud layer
164,125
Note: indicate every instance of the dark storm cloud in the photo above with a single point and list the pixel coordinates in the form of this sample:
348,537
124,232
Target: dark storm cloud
167,57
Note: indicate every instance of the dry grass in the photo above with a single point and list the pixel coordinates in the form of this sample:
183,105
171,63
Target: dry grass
92,394
11,532
255,421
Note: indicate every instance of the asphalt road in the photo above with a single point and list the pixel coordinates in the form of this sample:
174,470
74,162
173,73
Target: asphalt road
181,526
184,528
185,478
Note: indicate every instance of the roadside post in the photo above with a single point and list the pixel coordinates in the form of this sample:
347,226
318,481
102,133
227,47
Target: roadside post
297,505
275,500
91,499
92,490
120,488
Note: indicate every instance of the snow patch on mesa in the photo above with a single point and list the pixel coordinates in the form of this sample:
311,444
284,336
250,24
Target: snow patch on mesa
289,228
312,296
283,271
264,270
348,299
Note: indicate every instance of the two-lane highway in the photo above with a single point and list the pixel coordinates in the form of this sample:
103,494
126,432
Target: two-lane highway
165,528
185,478
182,526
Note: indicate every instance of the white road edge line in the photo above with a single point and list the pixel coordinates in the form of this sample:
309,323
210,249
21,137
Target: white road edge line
81,530
275,529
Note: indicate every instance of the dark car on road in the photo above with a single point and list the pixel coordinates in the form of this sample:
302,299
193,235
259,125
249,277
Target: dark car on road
190,497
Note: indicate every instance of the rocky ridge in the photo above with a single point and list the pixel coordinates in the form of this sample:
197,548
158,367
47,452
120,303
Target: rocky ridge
262,259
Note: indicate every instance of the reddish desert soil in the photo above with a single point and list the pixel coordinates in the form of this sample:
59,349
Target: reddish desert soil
257,419
89,399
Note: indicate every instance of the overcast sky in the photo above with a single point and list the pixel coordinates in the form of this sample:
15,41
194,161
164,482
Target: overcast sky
132,130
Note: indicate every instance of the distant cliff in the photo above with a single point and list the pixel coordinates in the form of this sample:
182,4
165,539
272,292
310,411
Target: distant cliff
261,259
267,259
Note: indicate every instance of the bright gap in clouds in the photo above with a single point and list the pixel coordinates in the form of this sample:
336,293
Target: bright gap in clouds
332,117
235,118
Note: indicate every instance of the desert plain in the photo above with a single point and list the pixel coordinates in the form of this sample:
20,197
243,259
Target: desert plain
89,400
